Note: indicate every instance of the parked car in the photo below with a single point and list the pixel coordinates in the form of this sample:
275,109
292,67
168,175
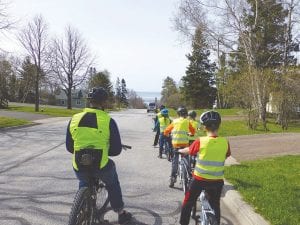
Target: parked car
151,107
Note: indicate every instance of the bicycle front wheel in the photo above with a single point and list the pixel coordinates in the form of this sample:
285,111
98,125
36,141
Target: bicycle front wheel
81,211
211,219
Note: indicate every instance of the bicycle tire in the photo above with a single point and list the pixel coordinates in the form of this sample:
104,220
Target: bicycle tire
102,198
185,180
194,214
80,212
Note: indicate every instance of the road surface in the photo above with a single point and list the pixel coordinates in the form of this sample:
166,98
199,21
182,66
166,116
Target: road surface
37,183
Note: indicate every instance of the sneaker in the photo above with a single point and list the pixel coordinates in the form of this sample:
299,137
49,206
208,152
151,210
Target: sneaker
159,156
125,217
172,182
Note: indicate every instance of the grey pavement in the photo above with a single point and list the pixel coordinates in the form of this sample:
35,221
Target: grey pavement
37,184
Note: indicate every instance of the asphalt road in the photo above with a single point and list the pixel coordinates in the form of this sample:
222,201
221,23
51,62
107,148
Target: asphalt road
37,183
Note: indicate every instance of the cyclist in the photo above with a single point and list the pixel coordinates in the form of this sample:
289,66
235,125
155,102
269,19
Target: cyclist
94,131
162,124
196,125
211,152
158,115
179,129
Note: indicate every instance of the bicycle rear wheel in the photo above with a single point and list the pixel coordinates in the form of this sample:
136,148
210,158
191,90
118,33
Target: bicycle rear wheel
81,211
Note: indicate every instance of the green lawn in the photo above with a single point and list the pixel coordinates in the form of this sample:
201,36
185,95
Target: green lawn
46,110
271,186
223,112
10,122
239,127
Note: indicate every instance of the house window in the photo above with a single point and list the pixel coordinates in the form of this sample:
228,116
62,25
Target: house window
62,102
78,102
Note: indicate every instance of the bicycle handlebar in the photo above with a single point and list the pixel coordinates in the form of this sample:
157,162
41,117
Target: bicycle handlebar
125,147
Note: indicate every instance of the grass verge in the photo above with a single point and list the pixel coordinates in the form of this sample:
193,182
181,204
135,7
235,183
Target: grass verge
223,112
239,127
10,122
51,111
271,186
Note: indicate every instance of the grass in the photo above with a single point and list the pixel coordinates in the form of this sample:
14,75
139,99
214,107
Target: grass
271,186
223,112
51,111
10,122
239,127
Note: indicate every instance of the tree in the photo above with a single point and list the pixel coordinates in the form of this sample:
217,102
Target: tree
124,91
70,61
26,81
169,88
34,40
102,79
118,92
5,22
5,73
135,101
198,83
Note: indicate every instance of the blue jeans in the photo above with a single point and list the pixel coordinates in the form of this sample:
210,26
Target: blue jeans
162,140
109,176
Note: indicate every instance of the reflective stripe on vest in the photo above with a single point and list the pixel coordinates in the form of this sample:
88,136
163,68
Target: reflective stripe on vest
163,123
211,158
180,131
88,137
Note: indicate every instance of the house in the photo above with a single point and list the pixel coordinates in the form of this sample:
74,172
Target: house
78,98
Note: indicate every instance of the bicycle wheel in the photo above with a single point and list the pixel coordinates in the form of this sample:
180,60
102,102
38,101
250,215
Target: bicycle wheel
102,197
194,215
81,211
211,219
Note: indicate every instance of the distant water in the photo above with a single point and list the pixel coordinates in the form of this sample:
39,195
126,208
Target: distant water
149,96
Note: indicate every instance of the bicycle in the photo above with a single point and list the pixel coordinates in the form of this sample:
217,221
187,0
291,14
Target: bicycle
206,214
90,202
168,150
184,171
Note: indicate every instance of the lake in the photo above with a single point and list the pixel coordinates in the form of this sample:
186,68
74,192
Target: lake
149,96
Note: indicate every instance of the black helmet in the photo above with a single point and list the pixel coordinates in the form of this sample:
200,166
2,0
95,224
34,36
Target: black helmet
211,119
98,94
192,114
181,111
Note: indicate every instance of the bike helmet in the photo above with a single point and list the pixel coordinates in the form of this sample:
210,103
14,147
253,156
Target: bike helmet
164,112
192,114
98,94
181,111
211,119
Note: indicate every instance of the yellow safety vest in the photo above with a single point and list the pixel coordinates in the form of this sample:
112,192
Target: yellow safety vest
211,158
195,125
91,138
163,123
180,131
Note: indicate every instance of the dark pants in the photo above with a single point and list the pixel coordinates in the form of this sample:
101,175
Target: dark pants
213,189
109,176
156,137
162,140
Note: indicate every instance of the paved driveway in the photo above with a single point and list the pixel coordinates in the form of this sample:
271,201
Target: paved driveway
37,184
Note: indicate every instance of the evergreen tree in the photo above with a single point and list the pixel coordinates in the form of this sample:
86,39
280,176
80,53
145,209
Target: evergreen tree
198,83
124,91
170,94
27,78
102,79
118,92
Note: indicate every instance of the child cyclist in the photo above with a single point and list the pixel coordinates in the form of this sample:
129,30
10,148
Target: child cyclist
208,175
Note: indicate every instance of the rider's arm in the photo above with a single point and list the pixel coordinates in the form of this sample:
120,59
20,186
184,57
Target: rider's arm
194,147
115,146
168,129
191,129
69,140
184,150
228,151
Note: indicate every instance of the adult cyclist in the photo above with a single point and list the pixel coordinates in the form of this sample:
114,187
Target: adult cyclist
93,131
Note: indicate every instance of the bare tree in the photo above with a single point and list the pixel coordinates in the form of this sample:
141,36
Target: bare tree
5,21
70,61
34,40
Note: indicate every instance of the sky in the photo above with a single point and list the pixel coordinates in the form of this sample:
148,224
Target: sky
132,39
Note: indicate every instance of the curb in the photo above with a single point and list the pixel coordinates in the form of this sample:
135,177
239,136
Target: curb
243,212
31,124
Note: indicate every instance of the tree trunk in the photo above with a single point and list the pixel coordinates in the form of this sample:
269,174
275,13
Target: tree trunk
37,94
69,98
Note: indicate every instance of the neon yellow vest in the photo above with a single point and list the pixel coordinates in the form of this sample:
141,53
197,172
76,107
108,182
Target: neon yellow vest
195,125
159,115
87,137
180,131
163,123
211,158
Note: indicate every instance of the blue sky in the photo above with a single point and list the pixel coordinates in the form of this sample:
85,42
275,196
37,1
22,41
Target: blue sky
132,39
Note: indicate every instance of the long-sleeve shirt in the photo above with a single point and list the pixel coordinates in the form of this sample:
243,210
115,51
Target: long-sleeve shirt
115,146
